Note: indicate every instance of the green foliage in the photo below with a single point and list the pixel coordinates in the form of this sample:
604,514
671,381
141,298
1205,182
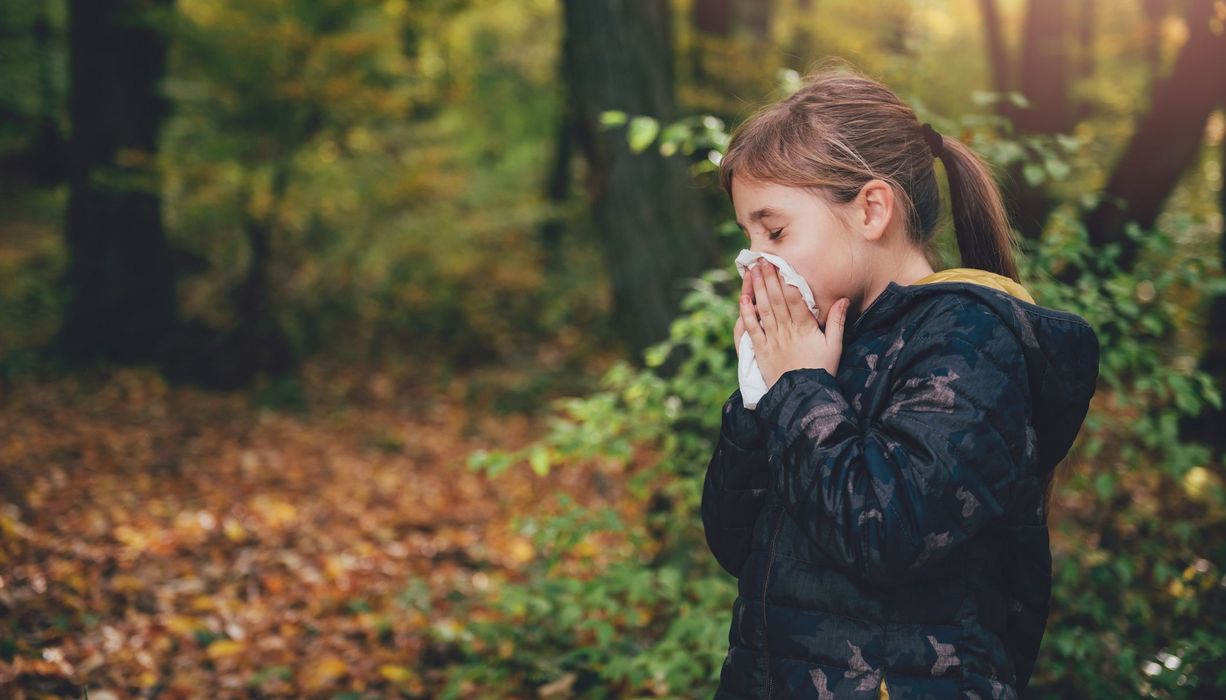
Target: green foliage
638,407
32,301
392,153
1140,541
653,615
685,136
33,72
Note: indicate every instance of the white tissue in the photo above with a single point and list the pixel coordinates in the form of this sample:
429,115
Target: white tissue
753,386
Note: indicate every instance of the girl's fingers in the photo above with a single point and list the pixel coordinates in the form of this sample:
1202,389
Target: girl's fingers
749,321
762,301
836,320
796,304
774,288
748,314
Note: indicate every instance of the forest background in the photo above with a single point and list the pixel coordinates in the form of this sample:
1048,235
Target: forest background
375,348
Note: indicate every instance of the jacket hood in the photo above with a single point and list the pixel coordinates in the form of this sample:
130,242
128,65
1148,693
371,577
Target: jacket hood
1060,347
983,277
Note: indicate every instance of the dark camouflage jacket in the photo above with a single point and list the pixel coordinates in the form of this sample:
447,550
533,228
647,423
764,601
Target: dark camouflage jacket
887,526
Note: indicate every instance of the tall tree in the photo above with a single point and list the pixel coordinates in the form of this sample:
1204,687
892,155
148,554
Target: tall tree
1154,11
1042,75
1045,68
1167,138
722,17
1088,23
1207,427
619,57
713,16
122,285
998,54
725,33
756,16
801,43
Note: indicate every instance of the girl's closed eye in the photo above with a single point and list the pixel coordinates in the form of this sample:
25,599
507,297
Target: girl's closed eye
775,234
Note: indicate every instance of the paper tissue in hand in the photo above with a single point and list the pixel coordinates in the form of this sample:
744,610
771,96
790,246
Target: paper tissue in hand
753,386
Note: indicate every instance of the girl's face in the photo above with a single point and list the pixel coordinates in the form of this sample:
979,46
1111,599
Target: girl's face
803,229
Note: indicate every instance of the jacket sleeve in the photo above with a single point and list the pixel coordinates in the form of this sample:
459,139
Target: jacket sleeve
735,486
891,497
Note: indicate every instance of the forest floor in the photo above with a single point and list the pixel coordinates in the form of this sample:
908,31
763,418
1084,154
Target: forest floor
165,541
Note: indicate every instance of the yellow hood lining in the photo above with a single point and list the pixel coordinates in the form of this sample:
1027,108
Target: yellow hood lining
977,276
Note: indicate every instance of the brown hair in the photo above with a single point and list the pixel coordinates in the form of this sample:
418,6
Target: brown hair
842,129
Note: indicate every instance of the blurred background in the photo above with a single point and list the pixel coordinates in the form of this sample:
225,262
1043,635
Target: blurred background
375,348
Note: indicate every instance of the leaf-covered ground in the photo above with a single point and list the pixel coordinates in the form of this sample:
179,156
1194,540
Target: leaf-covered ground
164,541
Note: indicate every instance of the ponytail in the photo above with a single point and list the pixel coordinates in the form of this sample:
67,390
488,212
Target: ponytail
985,239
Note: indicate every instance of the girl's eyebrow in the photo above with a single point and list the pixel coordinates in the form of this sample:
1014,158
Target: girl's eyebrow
759,214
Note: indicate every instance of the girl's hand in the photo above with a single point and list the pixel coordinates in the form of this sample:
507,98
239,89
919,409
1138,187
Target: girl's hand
784,332
739,328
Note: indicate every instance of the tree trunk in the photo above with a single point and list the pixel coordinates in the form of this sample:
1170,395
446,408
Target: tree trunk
230,358
800,43
897,25
1046,65
1167,139
713,16
1085,51
122,285
721,17
557,191
1043,78
998,53
619,57
1045,69
756,16
1154,10
1207,427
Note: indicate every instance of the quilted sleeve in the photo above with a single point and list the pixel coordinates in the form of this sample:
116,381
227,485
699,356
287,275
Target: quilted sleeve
891,498
735,486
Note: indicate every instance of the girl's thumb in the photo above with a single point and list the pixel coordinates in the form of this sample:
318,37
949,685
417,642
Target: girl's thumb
837,320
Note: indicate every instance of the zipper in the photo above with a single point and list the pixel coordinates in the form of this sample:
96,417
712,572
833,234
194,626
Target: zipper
856,324
770,559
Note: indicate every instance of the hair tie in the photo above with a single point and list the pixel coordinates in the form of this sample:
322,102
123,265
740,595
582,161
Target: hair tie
936,142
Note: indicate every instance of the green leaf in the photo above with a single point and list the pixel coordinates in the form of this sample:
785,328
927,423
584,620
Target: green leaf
1067,142
1034,174
641,132
538,458
1104,486
656,354
983,98
1057,168
789,80
612,117
1019,100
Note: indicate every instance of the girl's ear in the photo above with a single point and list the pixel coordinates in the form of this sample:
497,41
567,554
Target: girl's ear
873,209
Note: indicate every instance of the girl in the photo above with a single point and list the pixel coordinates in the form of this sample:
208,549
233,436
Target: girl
884,506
